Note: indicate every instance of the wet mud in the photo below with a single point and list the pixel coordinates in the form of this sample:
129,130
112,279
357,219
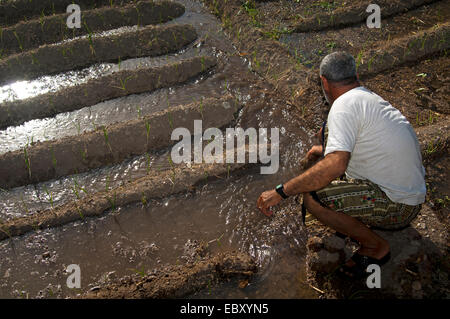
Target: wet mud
118,84
13,11
111,144
180,281
53,29
82,52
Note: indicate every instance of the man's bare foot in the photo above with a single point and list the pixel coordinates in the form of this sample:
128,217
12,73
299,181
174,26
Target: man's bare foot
377,251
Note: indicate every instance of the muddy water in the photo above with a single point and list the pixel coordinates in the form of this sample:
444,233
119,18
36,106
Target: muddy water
26,200
210,43
140,238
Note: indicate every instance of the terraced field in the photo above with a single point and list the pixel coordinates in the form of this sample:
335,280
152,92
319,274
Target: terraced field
86,120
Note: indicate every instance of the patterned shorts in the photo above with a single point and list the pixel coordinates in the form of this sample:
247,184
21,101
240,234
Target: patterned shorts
366,202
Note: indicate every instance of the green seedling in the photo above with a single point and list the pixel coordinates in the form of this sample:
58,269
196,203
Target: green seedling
80,212
324,4
83,154
107,183
226,22
250,8
147,129
41,20
169,118
369,64
76,188
432,148
138,17
123,83
27,161
421,75
50,196
144,200
139,111
18,40
238,34
24,204
202,59
424,40
174,37
78,126
172,166
218,240
34,60
30,141
201,107
158,84
359,59
112,202
430,117
331,45
105,135
139,272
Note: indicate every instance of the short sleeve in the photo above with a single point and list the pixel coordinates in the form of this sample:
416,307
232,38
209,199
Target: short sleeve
343,130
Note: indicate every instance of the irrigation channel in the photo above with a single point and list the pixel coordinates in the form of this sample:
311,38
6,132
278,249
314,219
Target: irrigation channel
99,124
87,114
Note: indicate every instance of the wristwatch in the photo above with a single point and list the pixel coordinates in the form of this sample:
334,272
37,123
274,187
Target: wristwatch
280,190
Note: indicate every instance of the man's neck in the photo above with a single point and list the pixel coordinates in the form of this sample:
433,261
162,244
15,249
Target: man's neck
340,90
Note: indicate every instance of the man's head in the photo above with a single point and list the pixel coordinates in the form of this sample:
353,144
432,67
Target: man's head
338,75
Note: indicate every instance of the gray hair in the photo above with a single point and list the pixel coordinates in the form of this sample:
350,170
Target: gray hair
338,66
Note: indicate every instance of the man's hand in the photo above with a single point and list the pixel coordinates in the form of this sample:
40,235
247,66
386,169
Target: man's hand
267,200
314,153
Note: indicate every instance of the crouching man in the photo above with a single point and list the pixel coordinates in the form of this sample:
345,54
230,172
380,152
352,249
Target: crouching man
375,147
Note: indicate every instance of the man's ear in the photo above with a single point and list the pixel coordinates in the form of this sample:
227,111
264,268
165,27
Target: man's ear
325,83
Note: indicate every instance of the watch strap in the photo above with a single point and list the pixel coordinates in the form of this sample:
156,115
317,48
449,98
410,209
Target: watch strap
280,190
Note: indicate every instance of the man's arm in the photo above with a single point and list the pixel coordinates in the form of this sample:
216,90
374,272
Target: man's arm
315,178
320,175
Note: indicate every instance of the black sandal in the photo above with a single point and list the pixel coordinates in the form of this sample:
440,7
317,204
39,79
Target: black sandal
361,263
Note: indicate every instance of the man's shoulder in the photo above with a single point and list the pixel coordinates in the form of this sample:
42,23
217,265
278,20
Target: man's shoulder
354,100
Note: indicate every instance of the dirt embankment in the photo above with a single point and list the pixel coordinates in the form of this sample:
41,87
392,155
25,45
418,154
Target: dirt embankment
111,144
180,281
13,11
82,52
267,56
404,50
353,13
52,29
97,90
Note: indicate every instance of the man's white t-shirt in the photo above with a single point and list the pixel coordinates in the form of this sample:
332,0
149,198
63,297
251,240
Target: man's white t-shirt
383,145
